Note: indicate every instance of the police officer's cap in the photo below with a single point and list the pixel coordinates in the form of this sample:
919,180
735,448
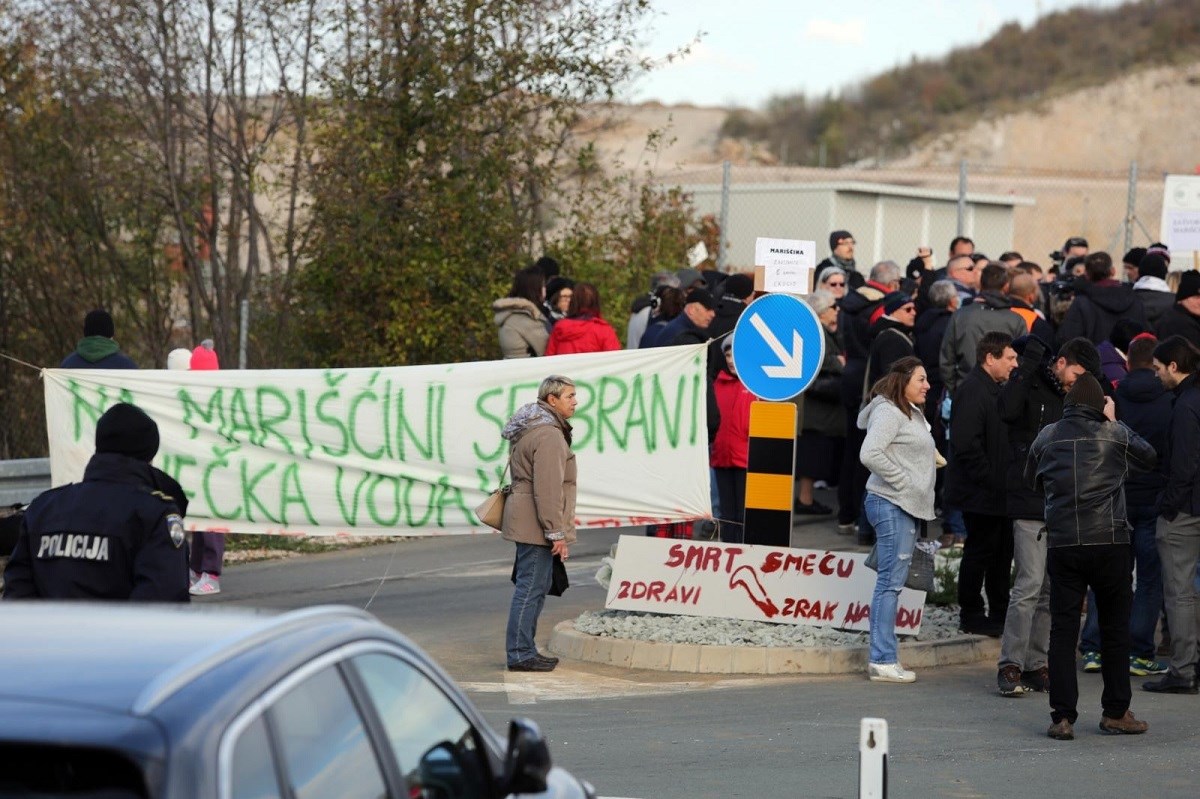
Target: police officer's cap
125,429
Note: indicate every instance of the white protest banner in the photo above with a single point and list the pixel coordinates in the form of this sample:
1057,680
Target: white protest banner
400,450
755,583
787,264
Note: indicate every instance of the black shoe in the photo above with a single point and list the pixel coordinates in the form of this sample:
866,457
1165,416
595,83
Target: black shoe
1037,681
532,664
1171,684
815,509
553,661
982,627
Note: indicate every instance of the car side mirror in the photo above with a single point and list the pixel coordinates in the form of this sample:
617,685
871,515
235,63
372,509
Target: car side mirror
527,761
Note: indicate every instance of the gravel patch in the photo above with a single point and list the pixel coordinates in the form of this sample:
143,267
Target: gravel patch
937,623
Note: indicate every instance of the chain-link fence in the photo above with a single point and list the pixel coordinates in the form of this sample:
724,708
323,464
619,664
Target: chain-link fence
892,212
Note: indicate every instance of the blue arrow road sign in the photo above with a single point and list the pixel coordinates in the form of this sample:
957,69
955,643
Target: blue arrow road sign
778,346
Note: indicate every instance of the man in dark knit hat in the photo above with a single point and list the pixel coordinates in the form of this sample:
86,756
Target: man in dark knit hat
841,244
737,293
1131,263
97,349
1080,463
116,535
1183,318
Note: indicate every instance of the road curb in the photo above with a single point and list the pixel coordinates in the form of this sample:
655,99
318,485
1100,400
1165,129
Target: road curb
568,642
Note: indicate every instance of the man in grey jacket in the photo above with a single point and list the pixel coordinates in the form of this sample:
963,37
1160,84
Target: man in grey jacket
991,312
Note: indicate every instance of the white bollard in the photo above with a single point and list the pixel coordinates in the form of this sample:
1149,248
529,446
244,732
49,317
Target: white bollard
872,759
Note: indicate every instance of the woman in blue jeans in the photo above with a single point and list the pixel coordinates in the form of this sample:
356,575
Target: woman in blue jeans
539,514
899,452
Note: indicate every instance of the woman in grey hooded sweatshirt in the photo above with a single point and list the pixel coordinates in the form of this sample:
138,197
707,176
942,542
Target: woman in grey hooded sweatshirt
900,454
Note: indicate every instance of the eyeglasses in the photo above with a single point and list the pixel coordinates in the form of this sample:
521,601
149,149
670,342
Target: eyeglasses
847,241
831,284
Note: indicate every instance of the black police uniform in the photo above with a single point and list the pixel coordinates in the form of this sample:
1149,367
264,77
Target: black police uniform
115,535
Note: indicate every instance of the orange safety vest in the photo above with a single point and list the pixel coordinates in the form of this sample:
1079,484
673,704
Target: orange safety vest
1028,314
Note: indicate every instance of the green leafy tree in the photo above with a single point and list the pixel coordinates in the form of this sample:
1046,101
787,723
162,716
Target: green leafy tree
445,161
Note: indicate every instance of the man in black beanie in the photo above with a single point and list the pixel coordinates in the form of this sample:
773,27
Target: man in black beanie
97,349
1080,463
841,246
116,535
1183,318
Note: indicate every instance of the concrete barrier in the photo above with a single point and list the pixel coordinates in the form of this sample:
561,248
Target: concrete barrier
715,659
22,480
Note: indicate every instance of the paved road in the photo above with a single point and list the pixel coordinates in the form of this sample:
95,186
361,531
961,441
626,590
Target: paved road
649,734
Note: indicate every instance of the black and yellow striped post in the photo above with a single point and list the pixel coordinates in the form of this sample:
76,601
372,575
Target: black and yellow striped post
770,470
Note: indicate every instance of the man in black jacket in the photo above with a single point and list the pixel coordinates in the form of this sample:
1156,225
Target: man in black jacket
738,290
1144,404
1177,363
1080,464
891,336
1031,399
1099,302
116,535
975,483
856,311
1183,318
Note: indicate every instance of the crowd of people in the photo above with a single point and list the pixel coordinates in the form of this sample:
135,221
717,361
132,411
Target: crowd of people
988,366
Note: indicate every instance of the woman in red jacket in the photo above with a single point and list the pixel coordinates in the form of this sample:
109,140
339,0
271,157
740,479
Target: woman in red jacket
731,445
583,329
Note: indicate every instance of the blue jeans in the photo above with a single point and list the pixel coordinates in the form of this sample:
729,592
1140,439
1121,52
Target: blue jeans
534,571
1147,599
895,535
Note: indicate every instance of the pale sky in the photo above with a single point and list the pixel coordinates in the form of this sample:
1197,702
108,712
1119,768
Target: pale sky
754,49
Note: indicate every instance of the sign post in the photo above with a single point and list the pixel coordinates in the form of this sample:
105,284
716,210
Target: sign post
778,348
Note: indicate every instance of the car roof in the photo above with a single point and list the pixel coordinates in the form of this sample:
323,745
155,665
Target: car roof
128,658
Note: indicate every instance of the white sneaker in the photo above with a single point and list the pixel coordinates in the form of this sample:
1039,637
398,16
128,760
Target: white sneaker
890,672
207,585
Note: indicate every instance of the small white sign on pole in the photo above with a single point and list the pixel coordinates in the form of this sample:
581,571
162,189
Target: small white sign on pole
1181,218
787,264
756,583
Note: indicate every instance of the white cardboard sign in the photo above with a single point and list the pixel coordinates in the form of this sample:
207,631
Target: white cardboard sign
1181,215
821,588
788,264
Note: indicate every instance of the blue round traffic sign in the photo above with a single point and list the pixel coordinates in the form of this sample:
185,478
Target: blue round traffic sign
778,346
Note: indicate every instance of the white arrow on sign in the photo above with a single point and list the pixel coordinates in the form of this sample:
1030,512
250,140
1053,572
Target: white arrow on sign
790,362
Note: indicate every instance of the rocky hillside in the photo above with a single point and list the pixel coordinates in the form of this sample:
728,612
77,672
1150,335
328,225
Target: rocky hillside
1146,116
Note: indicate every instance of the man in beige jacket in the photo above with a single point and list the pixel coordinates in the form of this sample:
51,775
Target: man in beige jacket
539,514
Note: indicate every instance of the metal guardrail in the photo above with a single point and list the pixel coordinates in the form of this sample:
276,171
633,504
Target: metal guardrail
22,480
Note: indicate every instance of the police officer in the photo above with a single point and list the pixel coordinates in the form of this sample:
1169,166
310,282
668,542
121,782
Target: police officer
117,535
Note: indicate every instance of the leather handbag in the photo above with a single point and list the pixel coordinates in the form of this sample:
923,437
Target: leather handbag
921,570
491,510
